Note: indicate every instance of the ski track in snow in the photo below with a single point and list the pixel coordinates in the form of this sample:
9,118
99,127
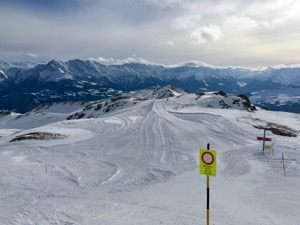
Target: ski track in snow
140,167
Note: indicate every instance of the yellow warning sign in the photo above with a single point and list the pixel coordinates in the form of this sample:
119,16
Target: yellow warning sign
268,147
208,162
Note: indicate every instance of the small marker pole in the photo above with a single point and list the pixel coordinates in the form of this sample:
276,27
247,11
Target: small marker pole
264,141
207,195
46,166
283,165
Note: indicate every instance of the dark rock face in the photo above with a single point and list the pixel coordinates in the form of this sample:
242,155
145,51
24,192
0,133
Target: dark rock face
39,136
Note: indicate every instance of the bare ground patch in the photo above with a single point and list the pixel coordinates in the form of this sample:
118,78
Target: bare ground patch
39,136
278,129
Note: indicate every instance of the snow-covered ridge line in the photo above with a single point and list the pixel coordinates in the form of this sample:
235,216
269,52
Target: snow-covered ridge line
90,80
172,96
138,60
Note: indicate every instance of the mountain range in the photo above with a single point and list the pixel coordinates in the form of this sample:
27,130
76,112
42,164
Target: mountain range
25,85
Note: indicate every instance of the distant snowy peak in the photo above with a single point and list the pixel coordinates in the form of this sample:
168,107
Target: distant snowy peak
22,65
55,71
191,74
130,60
157,93
194,63
287,77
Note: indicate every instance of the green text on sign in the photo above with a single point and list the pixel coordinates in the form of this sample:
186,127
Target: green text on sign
208,162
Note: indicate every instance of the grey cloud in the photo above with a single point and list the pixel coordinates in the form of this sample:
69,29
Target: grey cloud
30,55
170,3
166,30
206,34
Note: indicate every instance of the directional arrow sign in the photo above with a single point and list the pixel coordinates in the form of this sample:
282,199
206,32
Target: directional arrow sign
208,162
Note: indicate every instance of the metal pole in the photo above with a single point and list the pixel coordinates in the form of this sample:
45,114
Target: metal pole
264,141
283,165
207,196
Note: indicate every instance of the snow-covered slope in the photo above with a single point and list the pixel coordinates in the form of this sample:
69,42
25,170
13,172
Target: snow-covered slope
42,115
127,101
139,165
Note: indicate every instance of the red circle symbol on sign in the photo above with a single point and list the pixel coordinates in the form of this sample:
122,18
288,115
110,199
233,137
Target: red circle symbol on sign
207,158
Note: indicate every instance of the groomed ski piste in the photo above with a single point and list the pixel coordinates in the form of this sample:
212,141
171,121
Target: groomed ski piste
139,165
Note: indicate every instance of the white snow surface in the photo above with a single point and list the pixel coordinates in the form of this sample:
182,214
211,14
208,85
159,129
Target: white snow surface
140,166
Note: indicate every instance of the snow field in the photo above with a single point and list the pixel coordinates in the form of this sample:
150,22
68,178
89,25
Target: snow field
140,166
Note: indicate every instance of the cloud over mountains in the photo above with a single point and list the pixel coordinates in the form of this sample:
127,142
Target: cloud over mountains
229,32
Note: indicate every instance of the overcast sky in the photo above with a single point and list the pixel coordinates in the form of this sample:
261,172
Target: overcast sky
218,32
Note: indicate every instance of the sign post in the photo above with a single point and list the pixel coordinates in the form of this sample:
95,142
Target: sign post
283,166
264,139
208,166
